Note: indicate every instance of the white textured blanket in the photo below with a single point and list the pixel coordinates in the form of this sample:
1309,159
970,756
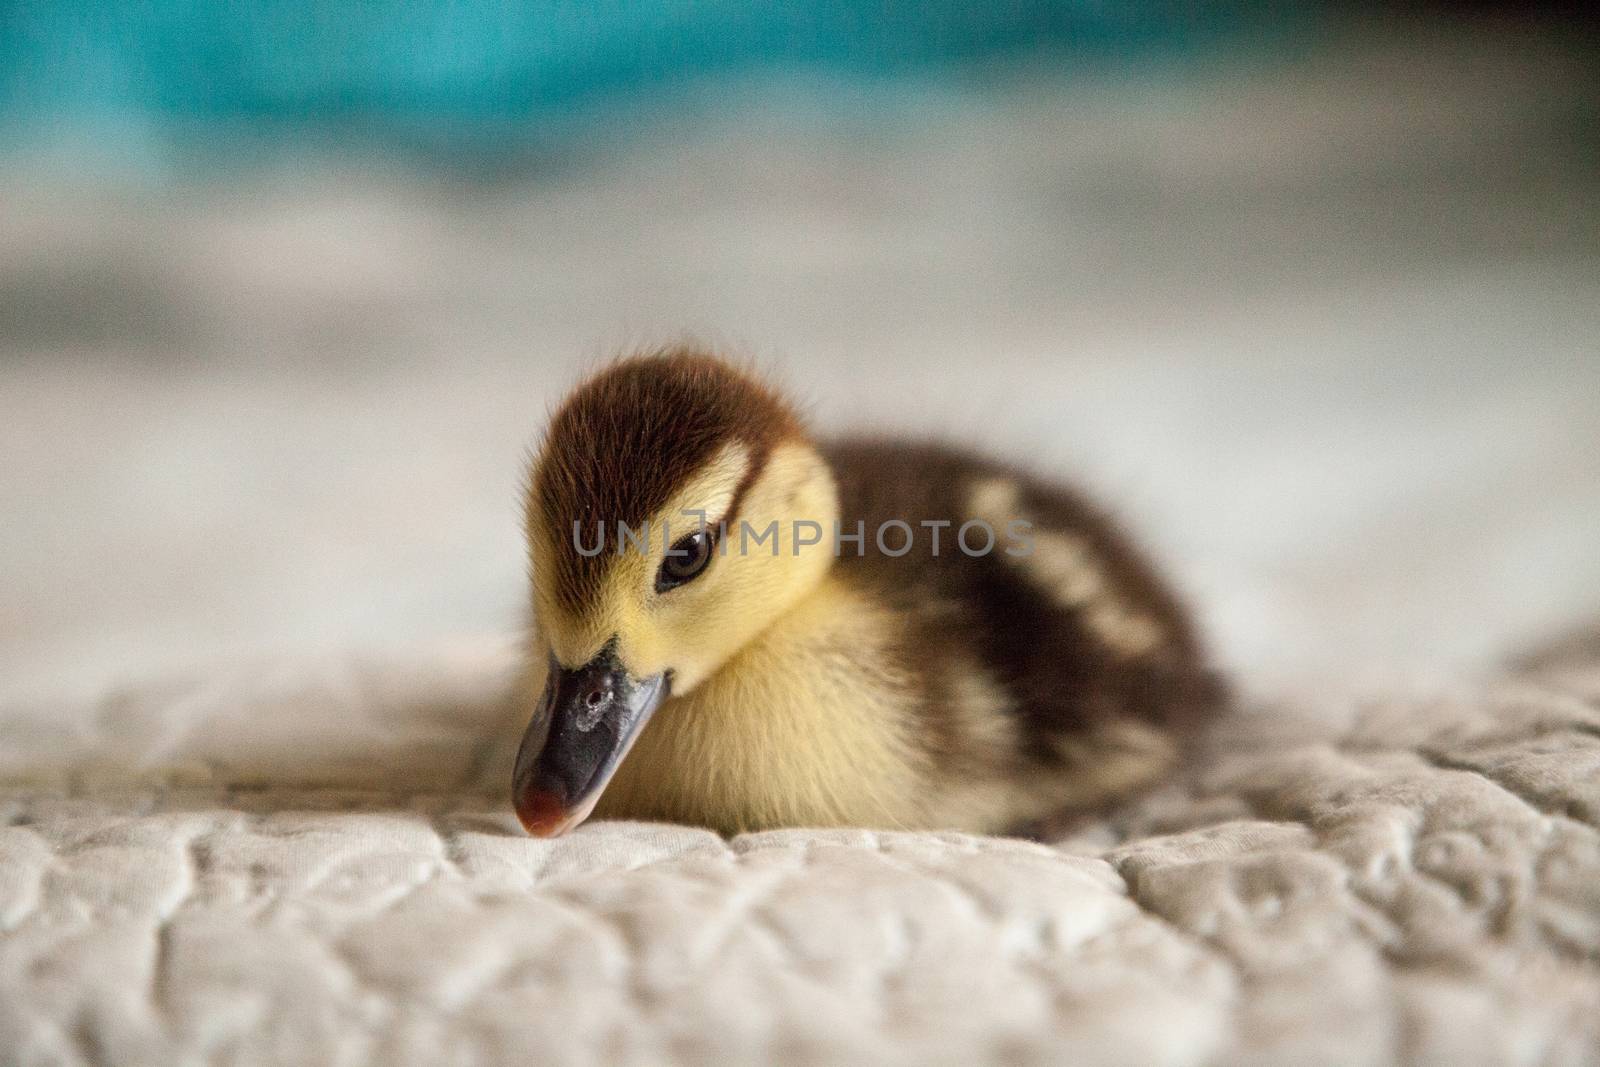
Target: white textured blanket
1419,882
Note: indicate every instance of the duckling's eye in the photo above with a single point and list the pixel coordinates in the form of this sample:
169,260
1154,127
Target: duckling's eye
688,556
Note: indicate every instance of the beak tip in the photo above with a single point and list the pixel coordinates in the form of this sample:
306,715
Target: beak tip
542,813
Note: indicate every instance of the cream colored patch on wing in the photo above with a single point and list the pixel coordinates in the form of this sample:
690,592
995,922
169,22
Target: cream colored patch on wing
1067,565
1108,761
1116,757
995,497
976,793
983,710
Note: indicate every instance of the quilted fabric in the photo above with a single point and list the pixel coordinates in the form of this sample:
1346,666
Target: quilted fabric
1416,880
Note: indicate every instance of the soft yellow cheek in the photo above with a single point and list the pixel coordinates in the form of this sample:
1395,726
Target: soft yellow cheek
699,627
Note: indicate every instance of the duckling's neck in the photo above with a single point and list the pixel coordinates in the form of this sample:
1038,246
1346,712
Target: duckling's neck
811,724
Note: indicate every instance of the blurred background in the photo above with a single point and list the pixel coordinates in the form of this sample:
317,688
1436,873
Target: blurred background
286,290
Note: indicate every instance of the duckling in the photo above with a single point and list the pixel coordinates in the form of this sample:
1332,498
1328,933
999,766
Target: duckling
739,627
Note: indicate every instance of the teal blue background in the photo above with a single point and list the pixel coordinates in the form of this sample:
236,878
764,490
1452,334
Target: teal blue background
392,68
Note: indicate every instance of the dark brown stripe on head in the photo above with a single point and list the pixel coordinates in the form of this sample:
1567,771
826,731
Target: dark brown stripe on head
629,438
760,451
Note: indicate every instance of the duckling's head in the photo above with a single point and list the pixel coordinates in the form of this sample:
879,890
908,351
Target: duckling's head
676,509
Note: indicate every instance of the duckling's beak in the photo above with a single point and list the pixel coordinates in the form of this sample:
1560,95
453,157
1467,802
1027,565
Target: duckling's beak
587,721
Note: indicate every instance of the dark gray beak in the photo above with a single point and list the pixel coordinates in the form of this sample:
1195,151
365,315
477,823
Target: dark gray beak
587,720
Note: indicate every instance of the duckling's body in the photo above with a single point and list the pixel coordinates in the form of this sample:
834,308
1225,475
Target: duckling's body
856,684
